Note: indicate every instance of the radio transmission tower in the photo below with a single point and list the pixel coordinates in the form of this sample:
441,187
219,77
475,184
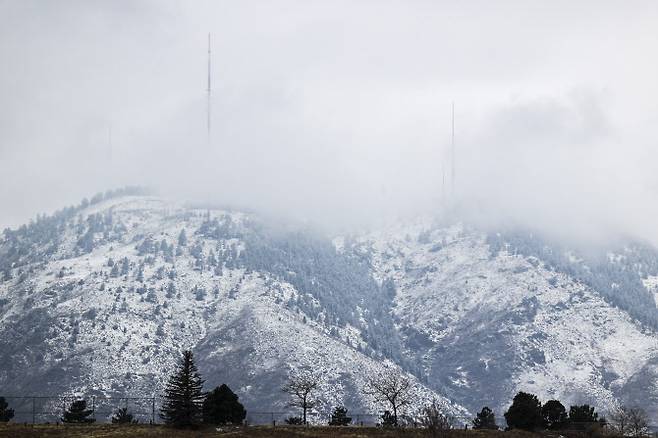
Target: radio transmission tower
452,142
209,89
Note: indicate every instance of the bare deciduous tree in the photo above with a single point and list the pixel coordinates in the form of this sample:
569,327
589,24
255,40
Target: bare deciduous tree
630,421
302,386
393,388
619,420
437,423
638,423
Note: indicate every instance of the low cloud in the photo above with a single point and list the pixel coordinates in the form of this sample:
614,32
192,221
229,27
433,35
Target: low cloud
339,114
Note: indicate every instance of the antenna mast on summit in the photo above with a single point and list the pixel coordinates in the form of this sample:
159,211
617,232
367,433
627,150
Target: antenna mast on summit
209,89
443,181
452,172
109,143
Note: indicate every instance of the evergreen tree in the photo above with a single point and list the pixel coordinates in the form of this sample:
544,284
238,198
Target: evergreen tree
78,413
199,293
125,266
115,270
485,419
122,416
554,414
211,260
6,414
183,397
583,414
171,290
339,417
525,412
221,406
182,238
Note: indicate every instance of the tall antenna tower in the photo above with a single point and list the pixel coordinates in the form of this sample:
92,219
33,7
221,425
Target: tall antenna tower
209,89
452,173
443,180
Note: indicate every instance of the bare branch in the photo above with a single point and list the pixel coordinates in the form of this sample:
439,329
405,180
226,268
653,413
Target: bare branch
393,388
302,386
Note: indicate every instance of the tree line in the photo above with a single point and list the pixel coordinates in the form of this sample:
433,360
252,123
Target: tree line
186,405
528,413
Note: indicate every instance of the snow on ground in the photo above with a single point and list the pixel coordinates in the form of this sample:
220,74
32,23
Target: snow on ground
586,347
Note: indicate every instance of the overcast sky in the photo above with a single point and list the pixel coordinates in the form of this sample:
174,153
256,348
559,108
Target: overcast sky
338,112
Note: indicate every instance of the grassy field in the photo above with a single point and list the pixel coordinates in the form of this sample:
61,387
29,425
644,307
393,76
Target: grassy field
145,431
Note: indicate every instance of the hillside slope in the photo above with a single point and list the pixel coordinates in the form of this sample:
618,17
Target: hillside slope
101,298
485,324
132,281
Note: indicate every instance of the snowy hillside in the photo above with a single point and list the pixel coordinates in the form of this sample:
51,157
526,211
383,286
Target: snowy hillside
101,299
486,325
132,281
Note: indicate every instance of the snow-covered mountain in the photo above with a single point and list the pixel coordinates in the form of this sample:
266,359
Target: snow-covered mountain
485,324
101,299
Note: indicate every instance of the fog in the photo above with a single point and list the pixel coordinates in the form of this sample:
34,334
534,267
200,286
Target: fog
338,112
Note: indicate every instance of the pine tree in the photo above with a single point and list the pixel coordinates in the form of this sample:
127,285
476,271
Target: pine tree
221,406
339,417
583,414
182,238
485,419
183,398
78,413
6,414
171,290
525,412
554,414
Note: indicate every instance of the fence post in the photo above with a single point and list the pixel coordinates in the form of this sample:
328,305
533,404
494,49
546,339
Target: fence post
34,411
93,407
153,410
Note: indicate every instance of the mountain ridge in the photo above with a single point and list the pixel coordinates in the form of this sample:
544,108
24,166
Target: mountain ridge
102,297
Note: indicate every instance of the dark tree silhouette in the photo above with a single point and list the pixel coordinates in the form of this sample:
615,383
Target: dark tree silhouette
295,421
122,416
554,414
583,414
525,412
339,417
221,406
78,413
389,420
183,397
485,419
6,414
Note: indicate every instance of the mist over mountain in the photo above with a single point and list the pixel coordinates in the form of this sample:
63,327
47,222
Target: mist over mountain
107,293
463,194
348,125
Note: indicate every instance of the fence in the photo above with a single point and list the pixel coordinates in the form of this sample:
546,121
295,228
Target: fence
49,409
276,418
